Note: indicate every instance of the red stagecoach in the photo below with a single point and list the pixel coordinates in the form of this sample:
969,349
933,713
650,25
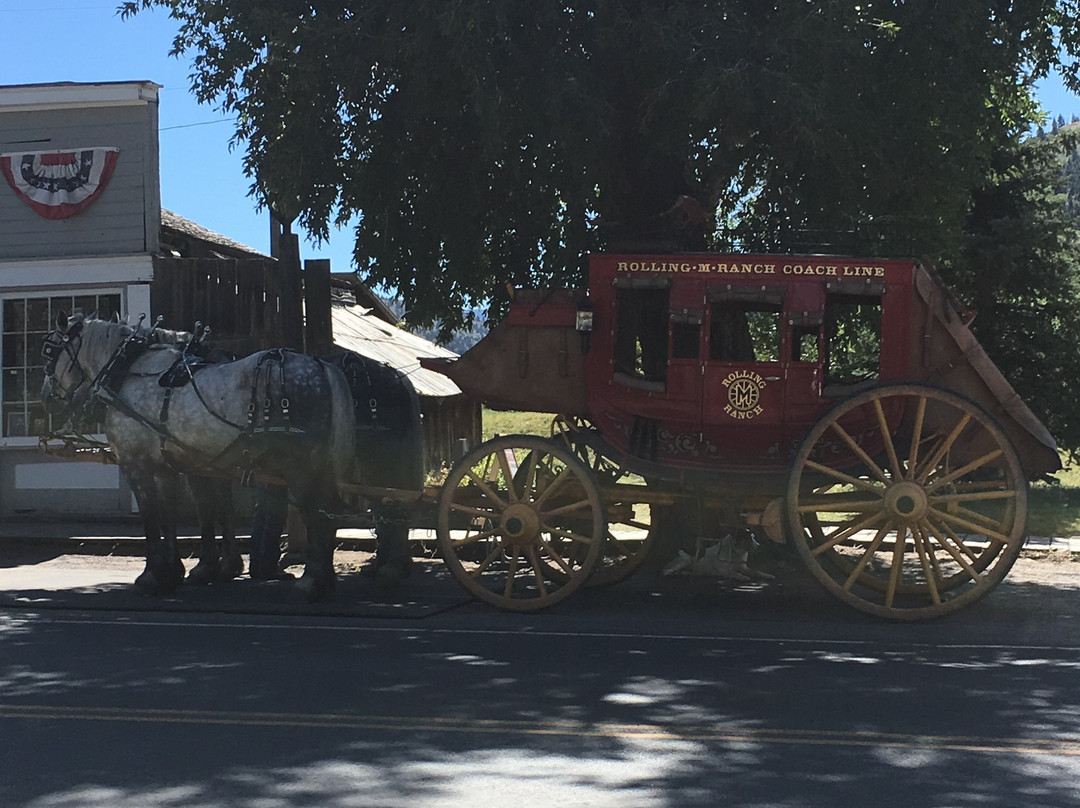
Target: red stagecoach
839,404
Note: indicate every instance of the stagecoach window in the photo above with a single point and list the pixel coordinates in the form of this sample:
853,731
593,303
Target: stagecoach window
641,334
744,331
26,322
805,343
853,338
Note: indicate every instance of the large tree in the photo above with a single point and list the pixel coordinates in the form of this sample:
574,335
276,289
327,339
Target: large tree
475,143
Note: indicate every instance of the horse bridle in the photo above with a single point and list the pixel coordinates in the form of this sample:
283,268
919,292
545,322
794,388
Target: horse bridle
63,342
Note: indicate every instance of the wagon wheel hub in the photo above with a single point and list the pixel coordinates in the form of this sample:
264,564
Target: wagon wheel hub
520,525
906,502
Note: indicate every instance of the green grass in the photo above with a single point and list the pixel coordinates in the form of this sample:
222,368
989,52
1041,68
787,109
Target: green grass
1054,509
516,423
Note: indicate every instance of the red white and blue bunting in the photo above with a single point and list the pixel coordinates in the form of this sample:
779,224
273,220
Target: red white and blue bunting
59,184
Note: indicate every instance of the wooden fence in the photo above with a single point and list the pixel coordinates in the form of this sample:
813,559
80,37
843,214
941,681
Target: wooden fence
249,304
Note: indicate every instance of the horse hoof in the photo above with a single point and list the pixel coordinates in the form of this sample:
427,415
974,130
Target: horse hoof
231,568
201,575
148,584
310,590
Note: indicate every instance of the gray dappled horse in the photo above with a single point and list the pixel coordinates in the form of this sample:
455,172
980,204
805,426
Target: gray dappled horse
277,412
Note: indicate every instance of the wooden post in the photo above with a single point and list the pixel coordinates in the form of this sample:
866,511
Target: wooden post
318,324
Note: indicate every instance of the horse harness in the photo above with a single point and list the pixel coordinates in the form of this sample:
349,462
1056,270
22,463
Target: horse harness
103,390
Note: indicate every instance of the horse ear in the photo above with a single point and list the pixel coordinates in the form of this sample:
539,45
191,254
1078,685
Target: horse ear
62,321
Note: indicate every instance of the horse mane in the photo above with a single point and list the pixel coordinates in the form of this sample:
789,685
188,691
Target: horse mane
102,337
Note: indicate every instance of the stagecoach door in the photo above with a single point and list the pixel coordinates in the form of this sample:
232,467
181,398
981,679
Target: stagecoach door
743,375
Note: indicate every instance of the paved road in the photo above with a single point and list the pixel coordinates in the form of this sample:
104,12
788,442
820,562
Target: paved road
654,693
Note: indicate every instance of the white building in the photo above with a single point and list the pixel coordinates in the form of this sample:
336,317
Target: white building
80,218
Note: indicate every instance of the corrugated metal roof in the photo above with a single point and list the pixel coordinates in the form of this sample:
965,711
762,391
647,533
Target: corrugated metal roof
356,329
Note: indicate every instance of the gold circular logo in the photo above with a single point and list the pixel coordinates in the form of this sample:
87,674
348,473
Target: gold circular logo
743,395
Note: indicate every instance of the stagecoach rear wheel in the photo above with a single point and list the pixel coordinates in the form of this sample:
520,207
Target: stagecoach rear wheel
630,534
907,502
514,509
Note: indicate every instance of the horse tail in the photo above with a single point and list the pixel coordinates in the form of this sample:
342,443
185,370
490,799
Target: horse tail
342,424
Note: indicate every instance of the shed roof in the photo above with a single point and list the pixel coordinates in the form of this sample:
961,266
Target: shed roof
358,329
221,245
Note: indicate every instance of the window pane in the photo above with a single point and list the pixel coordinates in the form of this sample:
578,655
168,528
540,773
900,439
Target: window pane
37,315
744,332
14,315
27,321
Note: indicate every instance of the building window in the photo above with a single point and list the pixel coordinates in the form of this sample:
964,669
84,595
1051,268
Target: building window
26,322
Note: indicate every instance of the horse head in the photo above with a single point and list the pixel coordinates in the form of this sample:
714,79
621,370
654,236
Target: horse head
75,353
64,376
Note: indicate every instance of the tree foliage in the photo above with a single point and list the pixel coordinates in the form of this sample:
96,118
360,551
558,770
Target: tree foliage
1019,270
476,143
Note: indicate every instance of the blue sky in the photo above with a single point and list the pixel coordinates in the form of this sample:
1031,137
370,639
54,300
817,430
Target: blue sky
201,179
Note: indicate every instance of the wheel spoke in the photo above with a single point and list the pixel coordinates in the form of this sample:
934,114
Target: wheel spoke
473,511
487,490
916,439
557,557
897,569
847,532
557,483
487,562
511,573
957,556
507,473
844,478
929,570
946,444
867,555
475,537
572,507
975,527
860,452
883,424
541,584
960,472
566,534
974,496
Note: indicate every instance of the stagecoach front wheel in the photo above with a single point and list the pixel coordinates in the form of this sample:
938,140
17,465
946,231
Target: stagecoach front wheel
907,502
514,509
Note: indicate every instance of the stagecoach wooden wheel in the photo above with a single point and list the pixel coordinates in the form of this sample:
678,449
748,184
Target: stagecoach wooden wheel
514,509
630,534
907,502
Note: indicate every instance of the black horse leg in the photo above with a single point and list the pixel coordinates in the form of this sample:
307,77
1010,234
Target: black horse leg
204,492
318,579
271,504
232,565
393,559
172,568
143,487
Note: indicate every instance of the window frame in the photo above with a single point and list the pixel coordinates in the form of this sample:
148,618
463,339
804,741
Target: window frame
33,362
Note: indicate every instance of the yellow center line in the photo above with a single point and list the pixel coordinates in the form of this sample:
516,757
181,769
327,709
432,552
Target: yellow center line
699,732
